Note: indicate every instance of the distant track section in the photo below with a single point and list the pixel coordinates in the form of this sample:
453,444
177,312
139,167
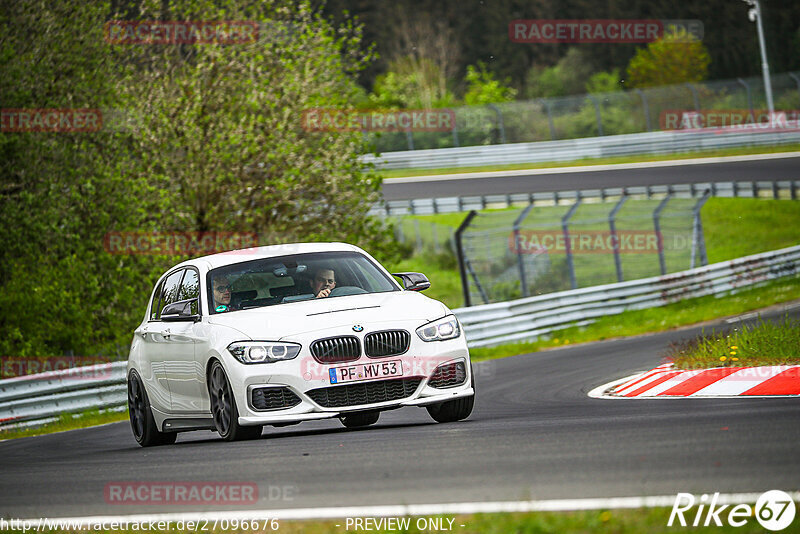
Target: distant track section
772,167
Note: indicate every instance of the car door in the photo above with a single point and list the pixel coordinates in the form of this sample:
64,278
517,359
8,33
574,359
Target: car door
184,375
154,348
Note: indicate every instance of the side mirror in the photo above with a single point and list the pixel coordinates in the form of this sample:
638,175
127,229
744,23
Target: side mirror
180,311
414,281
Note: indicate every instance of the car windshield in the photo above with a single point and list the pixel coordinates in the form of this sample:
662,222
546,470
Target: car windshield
299,277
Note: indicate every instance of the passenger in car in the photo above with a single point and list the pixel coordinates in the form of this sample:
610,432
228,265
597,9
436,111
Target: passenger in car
323,283
222,294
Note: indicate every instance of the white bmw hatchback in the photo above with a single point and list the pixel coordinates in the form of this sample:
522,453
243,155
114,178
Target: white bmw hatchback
289,333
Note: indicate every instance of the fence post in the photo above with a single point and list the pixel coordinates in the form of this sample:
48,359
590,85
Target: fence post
612,224
460,255
455,131
646,109
796,80
565,229
657,227
410,140
518,249
550,120
695,98
749,98
418,236
398,231
597,114
477,282
698,241
500,125
435,234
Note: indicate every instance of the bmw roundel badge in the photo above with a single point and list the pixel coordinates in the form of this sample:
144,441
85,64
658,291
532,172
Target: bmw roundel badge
358,328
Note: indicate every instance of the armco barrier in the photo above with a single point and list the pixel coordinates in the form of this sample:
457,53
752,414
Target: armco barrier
525,319
787,189
41,396
666,142
38,397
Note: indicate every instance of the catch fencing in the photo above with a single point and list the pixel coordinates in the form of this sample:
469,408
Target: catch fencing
550,123
532,317
517,253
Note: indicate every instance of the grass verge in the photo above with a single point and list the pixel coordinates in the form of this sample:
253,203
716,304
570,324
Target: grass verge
765,343
741,151
630,323
70,421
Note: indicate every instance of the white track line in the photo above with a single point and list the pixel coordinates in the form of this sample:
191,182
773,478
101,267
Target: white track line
400,510
590,168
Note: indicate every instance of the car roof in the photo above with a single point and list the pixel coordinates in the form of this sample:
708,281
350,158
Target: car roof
256,253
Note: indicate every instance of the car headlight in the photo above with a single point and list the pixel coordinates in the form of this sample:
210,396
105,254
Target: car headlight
445,328
263,351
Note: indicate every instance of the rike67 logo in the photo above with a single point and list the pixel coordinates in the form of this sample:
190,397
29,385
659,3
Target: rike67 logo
774,510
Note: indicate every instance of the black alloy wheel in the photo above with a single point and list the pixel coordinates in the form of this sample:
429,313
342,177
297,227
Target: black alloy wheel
223,408
141,417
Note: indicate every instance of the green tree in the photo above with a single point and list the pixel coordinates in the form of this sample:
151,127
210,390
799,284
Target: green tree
483,88
212,139
61,192
411,83
669,60
567,77
604,82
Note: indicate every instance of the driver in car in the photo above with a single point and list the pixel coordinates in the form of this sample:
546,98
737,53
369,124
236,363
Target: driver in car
323,283
222,294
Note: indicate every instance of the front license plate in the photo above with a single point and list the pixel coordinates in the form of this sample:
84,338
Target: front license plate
366,371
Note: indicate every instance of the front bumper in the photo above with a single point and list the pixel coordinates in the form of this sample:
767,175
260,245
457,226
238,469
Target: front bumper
304,374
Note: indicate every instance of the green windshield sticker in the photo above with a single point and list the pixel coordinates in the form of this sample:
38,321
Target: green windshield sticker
221,308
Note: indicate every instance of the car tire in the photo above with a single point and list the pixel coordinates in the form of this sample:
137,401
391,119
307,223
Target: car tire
454,410
224,410
140,415
357,420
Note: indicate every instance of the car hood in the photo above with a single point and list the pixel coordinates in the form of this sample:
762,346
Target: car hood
286,320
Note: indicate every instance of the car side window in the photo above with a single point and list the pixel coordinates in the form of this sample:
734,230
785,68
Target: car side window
190,289
171,288
155,309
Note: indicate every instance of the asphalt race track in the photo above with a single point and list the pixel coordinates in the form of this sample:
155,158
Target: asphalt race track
535,434
768,169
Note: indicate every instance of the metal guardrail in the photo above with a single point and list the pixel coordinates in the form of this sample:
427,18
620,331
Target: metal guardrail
45,395
39,397
789,189
526,319
663,142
